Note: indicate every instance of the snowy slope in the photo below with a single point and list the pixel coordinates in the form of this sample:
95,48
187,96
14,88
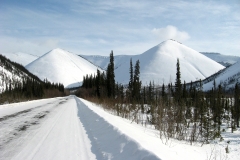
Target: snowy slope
12,74
6,78
21,58
73,128
225,60
227,78
62,66
158,64
103,61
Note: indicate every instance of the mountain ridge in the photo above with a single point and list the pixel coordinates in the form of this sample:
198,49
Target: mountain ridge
226,60
20,57
227,78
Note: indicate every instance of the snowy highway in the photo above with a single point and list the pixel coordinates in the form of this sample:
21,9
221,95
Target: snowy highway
72,128
62,128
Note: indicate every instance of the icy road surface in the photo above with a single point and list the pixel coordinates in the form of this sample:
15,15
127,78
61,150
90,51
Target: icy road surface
62,128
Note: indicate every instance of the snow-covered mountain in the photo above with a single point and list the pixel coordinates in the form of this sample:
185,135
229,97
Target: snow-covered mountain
225,60
61,66
12,74
21,58
227,78
158,64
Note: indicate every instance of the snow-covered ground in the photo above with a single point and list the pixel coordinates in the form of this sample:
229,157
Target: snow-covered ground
73,128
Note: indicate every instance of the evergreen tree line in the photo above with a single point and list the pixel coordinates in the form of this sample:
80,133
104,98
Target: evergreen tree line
30,88
102,85
177,111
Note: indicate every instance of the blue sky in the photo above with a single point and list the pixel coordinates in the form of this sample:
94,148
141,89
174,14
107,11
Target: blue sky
124,26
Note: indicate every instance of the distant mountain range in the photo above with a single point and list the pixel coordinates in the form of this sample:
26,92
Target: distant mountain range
157,64
227,77
225,60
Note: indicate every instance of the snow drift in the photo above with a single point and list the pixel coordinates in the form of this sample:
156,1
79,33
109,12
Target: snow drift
62,66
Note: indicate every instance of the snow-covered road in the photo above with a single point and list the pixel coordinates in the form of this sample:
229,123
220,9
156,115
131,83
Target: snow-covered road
62,128
51,130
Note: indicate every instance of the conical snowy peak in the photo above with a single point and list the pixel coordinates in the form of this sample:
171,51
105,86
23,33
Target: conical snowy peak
170,41
56,51
61,66
158,64
161,65
171,48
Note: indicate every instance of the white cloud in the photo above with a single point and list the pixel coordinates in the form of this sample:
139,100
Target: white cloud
170,32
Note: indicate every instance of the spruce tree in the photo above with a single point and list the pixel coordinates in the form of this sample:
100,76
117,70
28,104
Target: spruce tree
184,94
109,93
219,109
236,105
178,84
163,90
144,95
86,82
90,81
98,79
111,77
150,93
130,84
136,81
